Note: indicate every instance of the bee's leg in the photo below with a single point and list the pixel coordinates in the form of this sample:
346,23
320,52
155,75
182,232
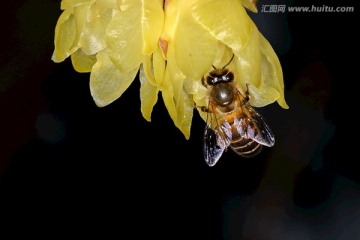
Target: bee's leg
205,109
202,108
203,82
247,94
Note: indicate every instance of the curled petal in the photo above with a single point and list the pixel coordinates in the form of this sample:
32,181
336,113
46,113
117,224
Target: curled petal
151,77
147,70
185,113
178,103
81,62
107,82
158,64
257,67
250,4
263,95
154,68
148,95
68,31
167,93
65,34
198,93
271,71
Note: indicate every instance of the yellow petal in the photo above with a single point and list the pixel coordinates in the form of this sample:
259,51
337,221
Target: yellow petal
167,89
179,103
151,78
80,13
185,113
67,4
68,31
167,93
81,62
250,4
123,39
172,9
220,55
152,23
262,96
226,20
258,66
148,95
107,82
193,45
128,33
194,49
247,63
65,34
159,64
147,70
272,75
154,68
201,99
93,33
113,4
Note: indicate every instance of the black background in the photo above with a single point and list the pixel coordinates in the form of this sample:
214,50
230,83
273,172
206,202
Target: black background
67,165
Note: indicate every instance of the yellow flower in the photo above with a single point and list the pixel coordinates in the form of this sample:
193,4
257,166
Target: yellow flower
174,44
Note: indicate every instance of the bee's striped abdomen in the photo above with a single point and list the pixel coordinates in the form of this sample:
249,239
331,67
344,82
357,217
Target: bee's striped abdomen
245,147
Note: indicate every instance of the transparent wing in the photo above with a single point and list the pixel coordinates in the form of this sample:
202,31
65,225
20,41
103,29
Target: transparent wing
215,143
253,126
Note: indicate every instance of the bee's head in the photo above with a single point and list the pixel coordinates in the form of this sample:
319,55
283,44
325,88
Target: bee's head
222,75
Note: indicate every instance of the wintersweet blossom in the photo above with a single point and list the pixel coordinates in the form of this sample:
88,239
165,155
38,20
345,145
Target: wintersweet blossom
173,44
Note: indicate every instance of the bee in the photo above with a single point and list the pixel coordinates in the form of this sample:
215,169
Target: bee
231,120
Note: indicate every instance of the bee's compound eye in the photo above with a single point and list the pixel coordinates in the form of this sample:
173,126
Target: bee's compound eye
211,80
229,76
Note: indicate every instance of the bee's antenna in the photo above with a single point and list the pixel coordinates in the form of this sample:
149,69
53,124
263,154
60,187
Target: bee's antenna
228,62
225,64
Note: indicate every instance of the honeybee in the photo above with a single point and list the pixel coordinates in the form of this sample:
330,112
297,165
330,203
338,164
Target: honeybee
231,120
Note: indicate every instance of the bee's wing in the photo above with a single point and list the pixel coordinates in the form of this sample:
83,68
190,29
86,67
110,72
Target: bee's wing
253,126
215,143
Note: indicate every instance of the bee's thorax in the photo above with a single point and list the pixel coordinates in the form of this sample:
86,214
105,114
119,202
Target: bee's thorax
222,94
